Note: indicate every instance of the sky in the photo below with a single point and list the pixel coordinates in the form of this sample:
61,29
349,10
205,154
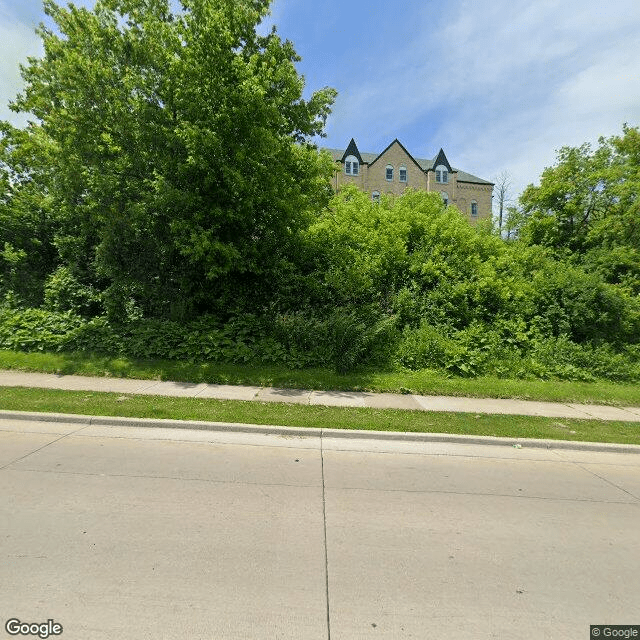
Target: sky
500,85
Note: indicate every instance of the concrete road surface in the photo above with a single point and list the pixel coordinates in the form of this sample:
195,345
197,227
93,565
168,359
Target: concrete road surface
131,533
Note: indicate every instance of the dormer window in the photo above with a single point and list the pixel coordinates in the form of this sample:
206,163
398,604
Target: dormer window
351,166
442,175
403,174
389,173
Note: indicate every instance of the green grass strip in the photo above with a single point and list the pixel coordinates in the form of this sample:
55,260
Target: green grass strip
294,415
424,382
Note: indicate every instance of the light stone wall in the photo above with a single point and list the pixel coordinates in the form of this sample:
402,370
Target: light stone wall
373,178
481,193
396,156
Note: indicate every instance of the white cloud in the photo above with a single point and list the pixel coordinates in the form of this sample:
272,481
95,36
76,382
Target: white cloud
503,84
18,42
500,84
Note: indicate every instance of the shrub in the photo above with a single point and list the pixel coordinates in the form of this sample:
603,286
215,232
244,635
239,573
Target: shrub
63,292
579,305
35,329
343,340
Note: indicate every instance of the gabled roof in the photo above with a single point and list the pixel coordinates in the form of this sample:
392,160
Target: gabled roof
396,141
352,150
338,155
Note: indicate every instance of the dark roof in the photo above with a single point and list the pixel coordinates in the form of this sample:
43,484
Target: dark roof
426,165
441,159
352,150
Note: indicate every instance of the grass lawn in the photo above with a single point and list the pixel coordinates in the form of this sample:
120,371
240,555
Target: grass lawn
113,404
424,382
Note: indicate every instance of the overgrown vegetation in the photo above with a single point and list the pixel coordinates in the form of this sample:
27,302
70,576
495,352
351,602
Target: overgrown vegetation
166,202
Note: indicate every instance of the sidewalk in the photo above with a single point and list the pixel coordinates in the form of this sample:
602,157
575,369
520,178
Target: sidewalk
328,398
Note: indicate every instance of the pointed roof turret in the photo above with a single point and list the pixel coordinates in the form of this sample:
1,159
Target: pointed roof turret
442,159
352,150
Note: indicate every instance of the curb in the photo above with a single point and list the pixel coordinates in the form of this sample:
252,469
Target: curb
400,436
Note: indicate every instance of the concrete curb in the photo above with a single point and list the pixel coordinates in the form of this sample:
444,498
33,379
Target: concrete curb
401,436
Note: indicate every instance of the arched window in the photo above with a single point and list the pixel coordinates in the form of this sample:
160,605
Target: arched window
442,175
402,173
445,198
389,172
474,209
375,196
351,166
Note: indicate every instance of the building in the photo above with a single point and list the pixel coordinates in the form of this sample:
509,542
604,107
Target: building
395,170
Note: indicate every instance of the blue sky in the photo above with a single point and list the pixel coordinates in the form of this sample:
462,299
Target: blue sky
500,85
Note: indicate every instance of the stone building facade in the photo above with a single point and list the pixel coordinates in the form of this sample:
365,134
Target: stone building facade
395,170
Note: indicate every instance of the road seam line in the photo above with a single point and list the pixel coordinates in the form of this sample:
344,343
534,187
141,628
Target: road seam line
326,554
64,435
610,482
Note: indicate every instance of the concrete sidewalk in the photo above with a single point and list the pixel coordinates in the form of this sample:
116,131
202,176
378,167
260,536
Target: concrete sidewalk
327,398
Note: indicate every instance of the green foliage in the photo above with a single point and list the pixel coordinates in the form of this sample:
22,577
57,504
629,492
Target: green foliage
27,226
412,255
505,352
568,301
561,358
343,340
63,292
589,203
35,329
174,149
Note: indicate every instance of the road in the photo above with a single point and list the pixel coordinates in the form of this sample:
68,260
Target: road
130,533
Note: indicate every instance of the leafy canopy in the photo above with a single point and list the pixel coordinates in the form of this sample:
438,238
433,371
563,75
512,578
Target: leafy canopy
179,159
589,204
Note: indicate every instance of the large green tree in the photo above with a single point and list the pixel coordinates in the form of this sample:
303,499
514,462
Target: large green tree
589,204
181,165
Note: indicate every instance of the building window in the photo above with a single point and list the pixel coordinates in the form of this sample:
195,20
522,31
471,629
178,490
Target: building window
403,174
474,209
351,166
445,198
389,172
442,175
375,196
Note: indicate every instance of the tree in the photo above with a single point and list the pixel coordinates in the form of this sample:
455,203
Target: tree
513,222
501,188
27,223
589,204
183,170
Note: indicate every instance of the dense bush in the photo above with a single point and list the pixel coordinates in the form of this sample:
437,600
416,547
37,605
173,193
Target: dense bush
407,282
342,341
486,350
423,262
36,329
